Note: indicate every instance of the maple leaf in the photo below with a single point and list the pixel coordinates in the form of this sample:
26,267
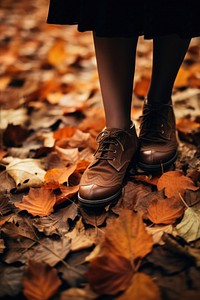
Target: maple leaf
110,274
26,172
38,202
127,237
141,288
165,211
59,175
189,227
175,183
40,285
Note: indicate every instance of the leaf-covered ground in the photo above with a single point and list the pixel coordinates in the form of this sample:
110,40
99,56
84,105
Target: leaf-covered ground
147,245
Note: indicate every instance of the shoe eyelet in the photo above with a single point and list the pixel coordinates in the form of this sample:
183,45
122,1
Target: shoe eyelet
161,125
116,144
115,151
114,158
162,132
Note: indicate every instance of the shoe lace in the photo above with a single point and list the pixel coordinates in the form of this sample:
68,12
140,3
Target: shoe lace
105,139
153,124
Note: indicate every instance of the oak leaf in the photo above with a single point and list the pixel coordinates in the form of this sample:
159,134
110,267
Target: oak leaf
26,172
142,288
175,183
165,211
38,202
127,237
189,227
110,274
40,285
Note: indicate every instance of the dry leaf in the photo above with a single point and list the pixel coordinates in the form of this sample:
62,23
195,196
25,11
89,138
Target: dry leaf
56,223
59,175
38,202
157,232
57,54
14,135
40,281
26,172
2,246
78,294
175,183
13,116
110,274
142,288
165,211
189,227
79,239
10,281
131,241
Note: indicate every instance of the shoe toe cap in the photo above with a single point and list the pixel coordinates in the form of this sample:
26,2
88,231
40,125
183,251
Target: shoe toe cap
96,192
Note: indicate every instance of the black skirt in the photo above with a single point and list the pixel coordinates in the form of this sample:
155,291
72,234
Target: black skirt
128,18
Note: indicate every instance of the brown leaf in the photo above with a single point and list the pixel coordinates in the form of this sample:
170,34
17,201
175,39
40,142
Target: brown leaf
57,223
165,211
10,281
175,183
14,135
95,218
78,294
59,175
40,285
5,206
144,178
22,228
67,193
142,288
2,246
38,202
131,241
110,274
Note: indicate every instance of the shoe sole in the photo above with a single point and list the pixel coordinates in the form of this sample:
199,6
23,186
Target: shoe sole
98,202
159,167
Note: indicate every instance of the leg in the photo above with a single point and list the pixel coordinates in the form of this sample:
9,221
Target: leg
102,182
158,143
168,54
116,64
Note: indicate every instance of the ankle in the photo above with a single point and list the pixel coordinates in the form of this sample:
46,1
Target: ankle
155,102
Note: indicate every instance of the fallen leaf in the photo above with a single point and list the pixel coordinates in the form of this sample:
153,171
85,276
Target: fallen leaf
67,192
95,218
38,202
21,228
175,183
165,211
59,175
144,178
192,198
142,288
189,227
57,54
141,86
5,205
157,232
2,246
109,274
79,239
57,223
78,294
40,285
26,172
14,135
13,116
131,241
10,281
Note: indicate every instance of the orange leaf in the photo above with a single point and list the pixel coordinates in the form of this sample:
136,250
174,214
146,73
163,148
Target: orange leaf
128,237
67,193
165,211
110,274
59,175
57,53
141,87
40,281
64,133
146,179
39,202
142,288
175,183
82,165
187,126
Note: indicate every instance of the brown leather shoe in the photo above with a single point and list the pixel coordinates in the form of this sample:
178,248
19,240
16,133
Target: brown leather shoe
157,138
102,181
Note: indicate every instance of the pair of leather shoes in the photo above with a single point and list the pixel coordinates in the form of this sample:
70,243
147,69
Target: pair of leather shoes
155,150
